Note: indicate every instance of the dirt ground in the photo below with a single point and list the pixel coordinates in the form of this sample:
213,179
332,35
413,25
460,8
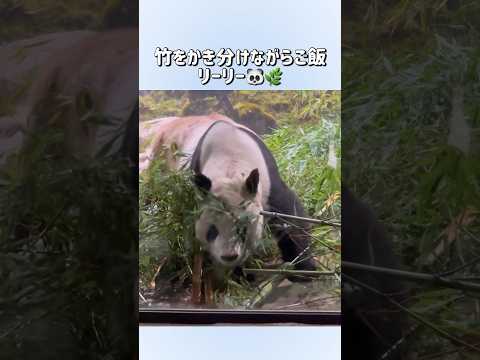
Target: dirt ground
318,295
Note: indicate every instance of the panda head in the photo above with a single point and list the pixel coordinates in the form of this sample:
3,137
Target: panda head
229,225
255,76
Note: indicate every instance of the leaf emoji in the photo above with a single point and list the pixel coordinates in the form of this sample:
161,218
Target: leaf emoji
274,77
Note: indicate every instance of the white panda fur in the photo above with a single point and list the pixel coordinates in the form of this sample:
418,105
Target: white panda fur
74,65
226,156
230,152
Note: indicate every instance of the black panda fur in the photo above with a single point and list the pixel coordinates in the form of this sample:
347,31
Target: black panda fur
370,324
292,240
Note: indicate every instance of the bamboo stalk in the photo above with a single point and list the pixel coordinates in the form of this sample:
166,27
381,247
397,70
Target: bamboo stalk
414,276
208,287
289,272
299,218
197,279
142,297
413,314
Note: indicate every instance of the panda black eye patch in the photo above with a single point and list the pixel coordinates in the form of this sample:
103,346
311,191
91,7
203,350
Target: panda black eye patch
212,233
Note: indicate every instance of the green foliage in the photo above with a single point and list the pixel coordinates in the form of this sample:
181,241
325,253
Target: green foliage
302,158
310,106
398,109
302,155
64,221
154,104
168,206
26,18
247,110
408,124
285,107
274,77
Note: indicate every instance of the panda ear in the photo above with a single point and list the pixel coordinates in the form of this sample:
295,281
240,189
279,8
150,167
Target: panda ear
251,184
202,182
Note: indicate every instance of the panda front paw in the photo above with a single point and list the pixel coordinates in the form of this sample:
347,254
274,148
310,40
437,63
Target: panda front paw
238,274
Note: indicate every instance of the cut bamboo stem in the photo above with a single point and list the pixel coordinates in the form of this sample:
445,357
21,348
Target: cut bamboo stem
208,287
299,218
197,279
414,276
289,272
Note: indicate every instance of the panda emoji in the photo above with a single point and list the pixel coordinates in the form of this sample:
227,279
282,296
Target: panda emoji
255,76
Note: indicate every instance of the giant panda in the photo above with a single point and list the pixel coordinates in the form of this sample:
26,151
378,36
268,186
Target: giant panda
233,167
371,326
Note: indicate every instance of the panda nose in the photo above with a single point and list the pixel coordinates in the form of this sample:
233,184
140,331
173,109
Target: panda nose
229,257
